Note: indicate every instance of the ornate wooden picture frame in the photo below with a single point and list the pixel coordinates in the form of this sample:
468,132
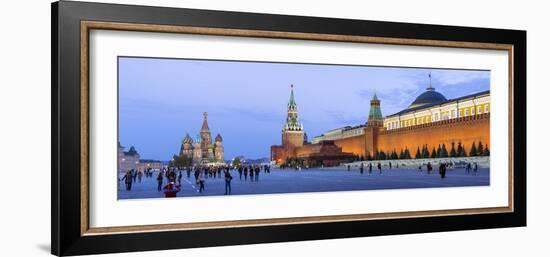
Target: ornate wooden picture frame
71,230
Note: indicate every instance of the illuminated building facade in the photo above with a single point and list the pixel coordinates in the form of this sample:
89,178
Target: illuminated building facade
430,121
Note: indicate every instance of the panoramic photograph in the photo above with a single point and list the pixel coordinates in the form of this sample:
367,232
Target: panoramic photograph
193,127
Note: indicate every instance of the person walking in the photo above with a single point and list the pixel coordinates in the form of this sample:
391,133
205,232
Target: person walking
361,167
245,172
442,170
228,179
468,168
196,174
390,165
251,172
257,171
128,180
370,167
379,168
349,166
475,168
179,178
160,177
240,172
429,168
201,182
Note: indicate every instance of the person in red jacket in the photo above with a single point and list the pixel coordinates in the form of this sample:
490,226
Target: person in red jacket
171,189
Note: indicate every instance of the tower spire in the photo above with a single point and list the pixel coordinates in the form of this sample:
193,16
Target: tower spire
291,101
292,122
430,87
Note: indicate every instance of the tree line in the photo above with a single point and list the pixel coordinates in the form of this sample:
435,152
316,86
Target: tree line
457,150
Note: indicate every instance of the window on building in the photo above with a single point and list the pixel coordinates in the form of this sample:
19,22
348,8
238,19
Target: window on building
460,113
453,114
466,112
479,110
436,116
486,108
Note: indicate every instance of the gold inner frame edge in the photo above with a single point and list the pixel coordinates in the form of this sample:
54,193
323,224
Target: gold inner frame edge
86,26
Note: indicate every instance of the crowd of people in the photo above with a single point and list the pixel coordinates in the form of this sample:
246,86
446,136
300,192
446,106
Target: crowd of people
253,171
470,168
169,179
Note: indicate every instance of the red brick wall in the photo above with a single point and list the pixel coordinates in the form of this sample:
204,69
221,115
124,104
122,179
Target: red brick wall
356,145
465,130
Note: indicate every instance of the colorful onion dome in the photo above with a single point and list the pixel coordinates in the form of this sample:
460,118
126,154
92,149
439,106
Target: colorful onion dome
198,139
187,139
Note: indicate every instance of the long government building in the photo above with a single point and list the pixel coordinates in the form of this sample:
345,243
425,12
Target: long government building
430,121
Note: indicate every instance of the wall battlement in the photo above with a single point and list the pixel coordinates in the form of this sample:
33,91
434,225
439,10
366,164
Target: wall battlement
449,123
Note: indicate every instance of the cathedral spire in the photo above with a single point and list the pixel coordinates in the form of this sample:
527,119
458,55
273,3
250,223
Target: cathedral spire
205,123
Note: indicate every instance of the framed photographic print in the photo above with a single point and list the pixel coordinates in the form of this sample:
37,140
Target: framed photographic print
178,128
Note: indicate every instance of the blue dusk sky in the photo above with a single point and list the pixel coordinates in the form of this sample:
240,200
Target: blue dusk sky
160,100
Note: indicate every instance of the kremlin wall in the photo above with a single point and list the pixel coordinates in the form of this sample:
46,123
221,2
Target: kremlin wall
431,120
465,130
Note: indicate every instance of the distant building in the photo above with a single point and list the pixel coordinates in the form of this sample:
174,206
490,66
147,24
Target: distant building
127,160
145,164
202,150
